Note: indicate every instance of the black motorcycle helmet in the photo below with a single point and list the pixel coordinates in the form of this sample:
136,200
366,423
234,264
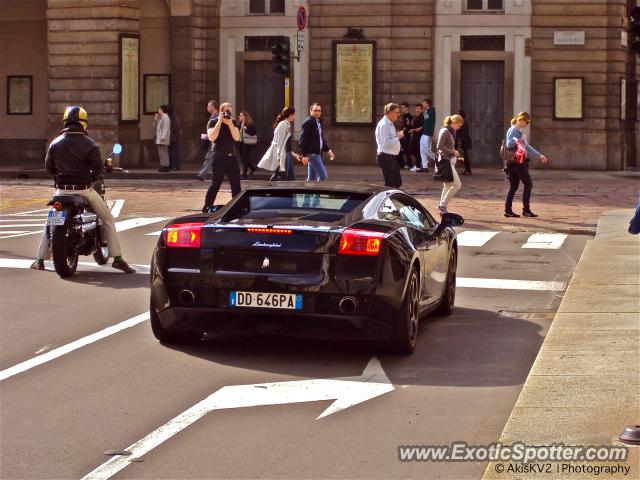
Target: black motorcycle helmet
75,115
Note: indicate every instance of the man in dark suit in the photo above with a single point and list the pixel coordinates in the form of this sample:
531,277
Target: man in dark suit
312,143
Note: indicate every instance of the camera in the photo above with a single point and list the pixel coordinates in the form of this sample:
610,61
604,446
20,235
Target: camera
226,115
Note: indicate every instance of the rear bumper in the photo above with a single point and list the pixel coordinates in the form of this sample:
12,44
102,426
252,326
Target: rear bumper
255,322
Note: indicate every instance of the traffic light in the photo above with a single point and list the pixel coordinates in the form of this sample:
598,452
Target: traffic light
634,29
281,58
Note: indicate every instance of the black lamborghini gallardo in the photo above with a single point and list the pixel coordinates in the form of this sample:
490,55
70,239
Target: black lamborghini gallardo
325,259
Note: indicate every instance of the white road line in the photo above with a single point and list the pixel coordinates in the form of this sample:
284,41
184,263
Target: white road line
19,214
462,282
117,206
8,232
508,284
70,347
137,222
39,232
550,241
154,234
22,263
475,238
21,225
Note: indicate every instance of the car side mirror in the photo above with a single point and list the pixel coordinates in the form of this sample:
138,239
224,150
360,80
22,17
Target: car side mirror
448,220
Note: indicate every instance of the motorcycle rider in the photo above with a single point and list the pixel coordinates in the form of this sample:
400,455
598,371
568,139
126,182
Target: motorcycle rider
74,160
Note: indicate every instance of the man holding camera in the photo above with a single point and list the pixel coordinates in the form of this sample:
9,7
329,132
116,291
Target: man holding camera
223,135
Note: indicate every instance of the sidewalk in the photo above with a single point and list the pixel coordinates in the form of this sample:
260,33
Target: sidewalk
567,201
584,386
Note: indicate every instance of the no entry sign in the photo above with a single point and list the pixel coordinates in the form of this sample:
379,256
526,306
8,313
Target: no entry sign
301,18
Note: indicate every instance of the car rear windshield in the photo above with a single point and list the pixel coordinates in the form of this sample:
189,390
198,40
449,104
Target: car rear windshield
343,202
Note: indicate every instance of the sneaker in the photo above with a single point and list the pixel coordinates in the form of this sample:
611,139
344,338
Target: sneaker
528,213
164,169
200,178
415,169
121,264
37,265
510,214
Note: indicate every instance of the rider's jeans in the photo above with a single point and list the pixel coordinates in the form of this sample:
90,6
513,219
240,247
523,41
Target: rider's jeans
99,207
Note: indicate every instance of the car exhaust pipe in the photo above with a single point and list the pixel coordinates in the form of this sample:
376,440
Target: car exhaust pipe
187,297
348,305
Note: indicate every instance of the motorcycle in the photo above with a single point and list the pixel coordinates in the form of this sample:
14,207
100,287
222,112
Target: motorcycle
73,229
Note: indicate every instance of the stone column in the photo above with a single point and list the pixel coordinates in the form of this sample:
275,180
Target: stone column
83,52
194,53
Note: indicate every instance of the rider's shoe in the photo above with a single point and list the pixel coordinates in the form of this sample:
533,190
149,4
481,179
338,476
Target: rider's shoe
38,264
120,264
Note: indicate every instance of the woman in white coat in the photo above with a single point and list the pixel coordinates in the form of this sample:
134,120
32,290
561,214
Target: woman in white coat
277,158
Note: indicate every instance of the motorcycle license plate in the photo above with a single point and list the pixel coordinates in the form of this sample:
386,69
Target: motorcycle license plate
56,217
286,301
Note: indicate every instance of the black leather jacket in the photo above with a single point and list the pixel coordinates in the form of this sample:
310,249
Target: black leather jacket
74,158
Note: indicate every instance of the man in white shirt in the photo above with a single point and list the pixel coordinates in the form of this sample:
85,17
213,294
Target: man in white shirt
388,140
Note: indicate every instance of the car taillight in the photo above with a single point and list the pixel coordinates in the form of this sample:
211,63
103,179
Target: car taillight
360,242
184,235
57,206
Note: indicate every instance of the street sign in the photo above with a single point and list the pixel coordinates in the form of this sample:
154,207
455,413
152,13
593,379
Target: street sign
299,41
301,18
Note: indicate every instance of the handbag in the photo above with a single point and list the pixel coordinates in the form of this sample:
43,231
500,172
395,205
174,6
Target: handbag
248,139
444,171
508,155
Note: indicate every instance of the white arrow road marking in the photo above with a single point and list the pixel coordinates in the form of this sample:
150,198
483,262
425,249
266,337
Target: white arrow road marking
550,241
508,284
70,347
474,238
29,213
345,391
137,222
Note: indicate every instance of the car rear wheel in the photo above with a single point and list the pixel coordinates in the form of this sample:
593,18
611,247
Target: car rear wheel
405,329
170,336
449,294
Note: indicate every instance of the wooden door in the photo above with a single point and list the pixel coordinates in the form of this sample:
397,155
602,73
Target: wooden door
482,99
264,99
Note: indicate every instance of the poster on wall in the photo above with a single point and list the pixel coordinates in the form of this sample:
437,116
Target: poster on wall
129,78
353,82
568,96
157,91
19,95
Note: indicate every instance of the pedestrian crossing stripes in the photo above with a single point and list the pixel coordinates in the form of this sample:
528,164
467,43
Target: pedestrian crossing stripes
479,238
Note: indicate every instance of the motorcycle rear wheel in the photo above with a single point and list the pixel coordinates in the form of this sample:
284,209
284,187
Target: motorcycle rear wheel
64,251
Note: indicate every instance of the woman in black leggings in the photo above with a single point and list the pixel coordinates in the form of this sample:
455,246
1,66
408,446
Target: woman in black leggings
519,171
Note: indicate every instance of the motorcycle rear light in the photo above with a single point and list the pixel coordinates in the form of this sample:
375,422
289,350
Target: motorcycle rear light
184,235
360,242
57,206
277,231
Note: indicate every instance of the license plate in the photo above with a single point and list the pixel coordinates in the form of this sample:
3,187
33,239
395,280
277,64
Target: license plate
56,217
286,301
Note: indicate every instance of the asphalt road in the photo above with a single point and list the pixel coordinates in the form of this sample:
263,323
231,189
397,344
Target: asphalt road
58,418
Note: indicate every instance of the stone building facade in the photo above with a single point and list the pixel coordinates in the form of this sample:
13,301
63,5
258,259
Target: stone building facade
490,58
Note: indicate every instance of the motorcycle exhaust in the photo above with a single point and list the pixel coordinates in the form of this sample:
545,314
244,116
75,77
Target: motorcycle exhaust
348,305
187,297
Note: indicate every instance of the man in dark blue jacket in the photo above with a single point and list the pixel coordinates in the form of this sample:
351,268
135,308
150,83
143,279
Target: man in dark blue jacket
312,143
